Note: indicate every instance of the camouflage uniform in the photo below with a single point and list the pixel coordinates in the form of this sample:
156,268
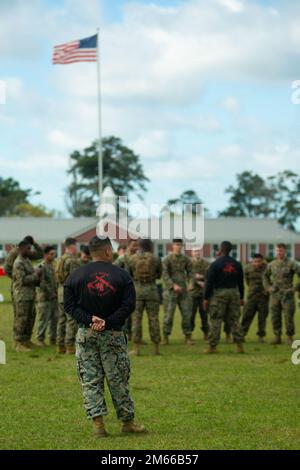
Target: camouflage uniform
35,254
145,269
124,263
66,326
99,356
24,281
225,303
47,304
199,266
257,300
278,280
177,269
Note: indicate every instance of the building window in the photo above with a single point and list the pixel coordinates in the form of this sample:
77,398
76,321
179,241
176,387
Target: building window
214,250
289,253
271,251
253,249
234,252
160,250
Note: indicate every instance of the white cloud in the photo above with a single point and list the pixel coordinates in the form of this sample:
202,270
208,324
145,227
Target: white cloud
156,65
231,103
65,141
235,6
152,144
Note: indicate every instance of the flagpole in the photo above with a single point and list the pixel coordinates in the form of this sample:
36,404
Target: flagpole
100,156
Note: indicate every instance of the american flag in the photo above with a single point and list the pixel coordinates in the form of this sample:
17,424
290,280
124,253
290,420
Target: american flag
84,50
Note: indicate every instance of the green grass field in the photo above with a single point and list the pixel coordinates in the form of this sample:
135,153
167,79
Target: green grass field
186,399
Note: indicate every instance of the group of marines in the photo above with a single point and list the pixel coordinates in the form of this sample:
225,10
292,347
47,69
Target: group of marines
215,290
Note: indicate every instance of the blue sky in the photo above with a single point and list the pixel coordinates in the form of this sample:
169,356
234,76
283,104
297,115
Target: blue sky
201,89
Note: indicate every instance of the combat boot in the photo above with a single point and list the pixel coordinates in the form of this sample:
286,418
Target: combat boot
188,340
276,340
40,343
165,340
136,351
240,348
70,349
61,349
21,347
290,340
98,427
211,350
156,349
132,427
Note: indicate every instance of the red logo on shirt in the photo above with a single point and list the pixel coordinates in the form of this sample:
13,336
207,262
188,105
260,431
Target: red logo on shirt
229,268
99,285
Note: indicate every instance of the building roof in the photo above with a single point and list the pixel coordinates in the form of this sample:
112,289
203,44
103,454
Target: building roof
43,229
235,229
243,229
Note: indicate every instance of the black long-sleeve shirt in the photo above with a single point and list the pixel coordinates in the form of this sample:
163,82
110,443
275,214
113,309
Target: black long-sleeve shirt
102,289
224,273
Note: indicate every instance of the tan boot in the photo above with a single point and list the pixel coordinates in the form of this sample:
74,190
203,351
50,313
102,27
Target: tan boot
21,347
98,427
61,349
211,350
156,350
290,340
70,349
276,340
136,351
132,427
188,340
40,344
165,341
240,348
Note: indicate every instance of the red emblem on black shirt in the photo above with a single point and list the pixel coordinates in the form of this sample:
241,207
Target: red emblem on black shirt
229,268
99,285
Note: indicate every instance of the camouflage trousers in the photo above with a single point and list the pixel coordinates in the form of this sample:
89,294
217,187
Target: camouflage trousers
225,303
283,303
152,309
128,326
184,303
197,305
13,302
104,356
256,304
24,320
47,317
66,328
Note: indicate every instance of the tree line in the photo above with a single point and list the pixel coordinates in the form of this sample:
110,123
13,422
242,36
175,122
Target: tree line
276,196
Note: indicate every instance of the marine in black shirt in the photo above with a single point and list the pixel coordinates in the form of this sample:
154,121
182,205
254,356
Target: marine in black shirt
223,295
100,296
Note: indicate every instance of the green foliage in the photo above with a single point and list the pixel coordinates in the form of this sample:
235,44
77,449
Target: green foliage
122,170
187,198
276,196
29,210
11,195
186,399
